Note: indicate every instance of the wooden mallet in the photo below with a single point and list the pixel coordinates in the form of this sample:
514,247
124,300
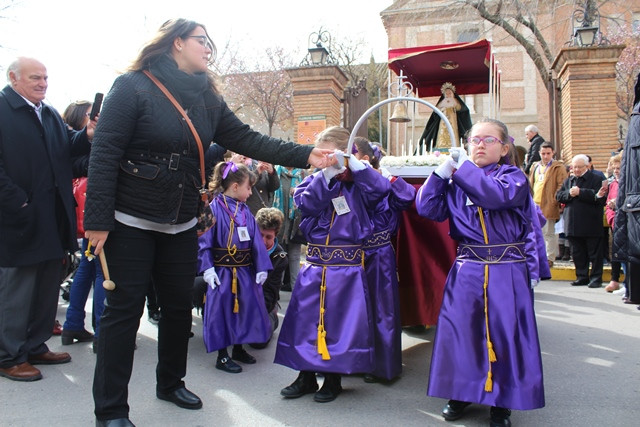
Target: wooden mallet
108,284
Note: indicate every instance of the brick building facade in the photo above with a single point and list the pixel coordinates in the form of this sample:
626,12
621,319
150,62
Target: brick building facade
525,99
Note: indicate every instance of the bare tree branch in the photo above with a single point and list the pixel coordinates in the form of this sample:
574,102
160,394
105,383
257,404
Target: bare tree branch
499,20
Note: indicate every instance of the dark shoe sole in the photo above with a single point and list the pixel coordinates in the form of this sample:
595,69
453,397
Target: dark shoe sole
233,370
324,398
293,395
455,415
49,362
22,379
579,283
371,379
244,357
169,398
72,337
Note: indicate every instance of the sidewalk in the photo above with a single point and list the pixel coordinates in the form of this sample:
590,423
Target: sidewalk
565,270
590,342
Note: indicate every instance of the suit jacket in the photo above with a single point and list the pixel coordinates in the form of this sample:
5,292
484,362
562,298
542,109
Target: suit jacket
35,168
582,214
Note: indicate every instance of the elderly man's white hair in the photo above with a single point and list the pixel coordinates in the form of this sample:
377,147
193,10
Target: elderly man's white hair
582,157
532,128
14,68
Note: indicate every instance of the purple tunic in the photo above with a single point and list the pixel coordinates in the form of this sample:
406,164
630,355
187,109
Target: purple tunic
382,280
222,327
460,362
347,318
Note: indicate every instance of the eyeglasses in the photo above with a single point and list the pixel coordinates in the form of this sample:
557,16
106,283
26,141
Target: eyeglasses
204,41
488,140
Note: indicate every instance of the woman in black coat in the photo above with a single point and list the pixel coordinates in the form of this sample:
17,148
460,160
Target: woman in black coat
626,235
143,194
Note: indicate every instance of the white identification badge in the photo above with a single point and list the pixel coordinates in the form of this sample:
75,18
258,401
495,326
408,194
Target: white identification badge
469,202
340,205
243,234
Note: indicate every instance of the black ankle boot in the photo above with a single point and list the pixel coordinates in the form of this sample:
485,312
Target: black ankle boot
454,410
331,388
305,383
500,417
567,253
560,252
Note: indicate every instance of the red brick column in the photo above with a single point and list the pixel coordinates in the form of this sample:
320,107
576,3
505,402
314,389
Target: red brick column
317,91
588,113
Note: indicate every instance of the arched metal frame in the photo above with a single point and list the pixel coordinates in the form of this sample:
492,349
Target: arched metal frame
398,99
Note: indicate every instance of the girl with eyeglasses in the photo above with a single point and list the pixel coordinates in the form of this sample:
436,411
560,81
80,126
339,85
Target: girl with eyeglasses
486,347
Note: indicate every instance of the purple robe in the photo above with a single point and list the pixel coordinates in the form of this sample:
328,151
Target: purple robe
459,364
347,318
382,280
222,327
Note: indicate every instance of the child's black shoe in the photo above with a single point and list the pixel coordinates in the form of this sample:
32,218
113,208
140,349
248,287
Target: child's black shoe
500,417
242,356
331,388
305,383
228,365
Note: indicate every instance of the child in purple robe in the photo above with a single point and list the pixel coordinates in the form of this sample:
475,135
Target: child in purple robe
328,326
486,348
235,263
380,268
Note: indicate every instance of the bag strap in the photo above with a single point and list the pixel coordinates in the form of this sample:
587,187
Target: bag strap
188,120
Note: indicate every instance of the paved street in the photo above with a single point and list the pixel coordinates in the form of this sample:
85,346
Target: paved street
591,354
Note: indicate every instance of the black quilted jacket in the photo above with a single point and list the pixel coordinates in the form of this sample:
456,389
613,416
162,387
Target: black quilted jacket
144,159
626,233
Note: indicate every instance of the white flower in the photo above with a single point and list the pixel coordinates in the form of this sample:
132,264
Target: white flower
430,159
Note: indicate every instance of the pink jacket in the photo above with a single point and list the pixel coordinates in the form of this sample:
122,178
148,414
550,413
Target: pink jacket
613,193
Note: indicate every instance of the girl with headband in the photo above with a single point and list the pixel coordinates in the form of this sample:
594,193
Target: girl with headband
235,263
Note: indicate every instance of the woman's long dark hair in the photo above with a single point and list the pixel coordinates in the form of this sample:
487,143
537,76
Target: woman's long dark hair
75,115
162,43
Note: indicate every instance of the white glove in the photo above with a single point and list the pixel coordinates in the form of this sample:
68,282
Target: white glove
331,171
445,170
261,276
211,277
459,155
339,156
385,173
355,164
534,282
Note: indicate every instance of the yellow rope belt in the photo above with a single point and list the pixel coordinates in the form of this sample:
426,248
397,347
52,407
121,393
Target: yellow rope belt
488,385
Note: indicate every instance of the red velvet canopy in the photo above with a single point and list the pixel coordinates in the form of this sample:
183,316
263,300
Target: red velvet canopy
466,65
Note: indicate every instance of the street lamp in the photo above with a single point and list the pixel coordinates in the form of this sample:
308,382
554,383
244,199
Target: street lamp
318,54
586,25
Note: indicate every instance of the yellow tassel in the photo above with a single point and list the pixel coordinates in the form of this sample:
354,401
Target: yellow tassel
492,354
234,290
488,385
322,344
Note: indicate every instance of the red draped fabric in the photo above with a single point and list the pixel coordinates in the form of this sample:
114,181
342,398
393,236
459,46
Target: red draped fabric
466,65
424,254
